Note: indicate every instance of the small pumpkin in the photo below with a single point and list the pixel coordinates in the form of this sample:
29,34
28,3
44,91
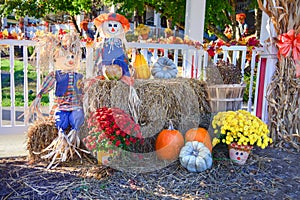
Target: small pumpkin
164,68
142,70
112,72
195,157
200,135
168,143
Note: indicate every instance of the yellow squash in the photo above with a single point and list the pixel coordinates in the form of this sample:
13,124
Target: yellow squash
141,67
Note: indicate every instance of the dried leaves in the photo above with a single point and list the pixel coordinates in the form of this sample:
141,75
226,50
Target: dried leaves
223,73
284,102
283,14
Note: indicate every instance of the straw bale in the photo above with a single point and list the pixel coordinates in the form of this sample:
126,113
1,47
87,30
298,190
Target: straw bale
184,101
39,135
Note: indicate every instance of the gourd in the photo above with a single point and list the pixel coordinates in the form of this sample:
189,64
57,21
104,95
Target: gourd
200,135
142,70
164,68
112,72
168,144
195,157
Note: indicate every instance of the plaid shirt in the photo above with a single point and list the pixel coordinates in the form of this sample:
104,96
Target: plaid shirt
70,100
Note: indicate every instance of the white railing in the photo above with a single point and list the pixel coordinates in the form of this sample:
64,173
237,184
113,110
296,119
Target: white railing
193,62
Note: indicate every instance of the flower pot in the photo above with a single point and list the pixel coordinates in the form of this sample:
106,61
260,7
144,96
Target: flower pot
239,153
104,157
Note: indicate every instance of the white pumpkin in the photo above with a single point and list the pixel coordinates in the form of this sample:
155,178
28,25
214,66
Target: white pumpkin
195,157
164,68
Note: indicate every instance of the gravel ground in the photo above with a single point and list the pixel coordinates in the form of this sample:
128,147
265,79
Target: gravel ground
272,173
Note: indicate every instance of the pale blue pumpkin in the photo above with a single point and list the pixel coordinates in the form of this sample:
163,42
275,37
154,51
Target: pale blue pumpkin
195,157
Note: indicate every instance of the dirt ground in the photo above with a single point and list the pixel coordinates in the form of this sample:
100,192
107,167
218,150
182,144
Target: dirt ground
272,173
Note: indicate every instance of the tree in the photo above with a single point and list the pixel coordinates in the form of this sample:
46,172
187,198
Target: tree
216,16
41,8
218,12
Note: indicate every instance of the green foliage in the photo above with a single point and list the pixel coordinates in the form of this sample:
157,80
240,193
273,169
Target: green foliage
217,15
172,9
247,77
40,8
218,12
215,19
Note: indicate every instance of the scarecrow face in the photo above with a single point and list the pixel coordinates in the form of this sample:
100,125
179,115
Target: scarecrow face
238,155
112,28
66,61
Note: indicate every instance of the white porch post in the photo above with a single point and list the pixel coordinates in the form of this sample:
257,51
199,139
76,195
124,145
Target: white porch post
266,68
194,19
194,29
157,23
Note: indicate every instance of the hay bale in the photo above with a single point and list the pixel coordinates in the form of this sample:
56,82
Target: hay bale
184,101
39,135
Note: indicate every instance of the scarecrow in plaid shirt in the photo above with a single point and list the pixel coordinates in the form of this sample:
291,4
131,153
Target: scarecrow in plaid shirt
68,95
67,82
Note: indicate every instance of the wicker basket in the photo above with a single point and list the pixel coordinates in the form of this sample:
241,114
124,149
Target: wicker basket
226,97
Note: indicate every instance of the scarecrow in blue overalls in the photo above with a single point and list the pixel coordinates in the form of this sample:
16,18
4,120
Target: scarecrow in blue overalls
111,49
67,83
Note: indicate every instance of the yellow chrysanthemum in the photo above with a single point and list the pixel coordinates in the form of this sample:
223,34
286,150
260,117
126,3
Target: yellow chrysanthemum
215,141
241,127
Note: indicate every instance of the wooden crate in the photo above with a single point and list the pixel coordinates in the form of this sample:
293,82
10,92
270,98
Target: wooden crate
226,97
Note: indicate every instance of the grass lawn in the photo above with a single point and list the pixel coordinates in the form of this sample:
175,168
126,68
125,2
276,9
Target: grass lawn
19,83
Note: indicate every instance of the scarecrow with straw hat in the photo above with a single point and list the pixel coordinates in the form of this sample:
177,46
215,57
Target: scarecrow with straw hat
63,53
111,49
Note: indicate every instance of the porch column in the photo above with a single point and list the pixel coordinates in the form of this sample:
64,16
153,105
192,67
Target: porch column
194,29
266,68
194,19
157,23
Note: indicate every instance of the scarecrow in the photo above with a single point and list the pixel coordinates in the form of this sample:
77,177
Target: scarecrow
64,53
111,55
111,49
242,26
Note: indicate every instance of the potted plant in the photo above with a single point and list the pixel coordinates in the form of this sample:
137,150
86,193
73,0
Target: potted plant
168,32
240,130
142,31
111,129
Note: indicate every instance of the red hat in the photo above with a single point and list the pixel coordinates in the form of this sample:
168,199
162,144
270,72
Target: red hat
84,25
240,16
98,21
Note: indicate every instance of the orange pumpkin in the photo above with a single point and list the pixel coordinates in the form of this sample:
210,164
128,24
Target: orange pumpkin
200,135
169,143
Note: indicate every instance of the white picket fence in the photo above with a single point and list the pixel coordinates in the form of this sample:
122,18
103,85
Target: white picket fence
193,62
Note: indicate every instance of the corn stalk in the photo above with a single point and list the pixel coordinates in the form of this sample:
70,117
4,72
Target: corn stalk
283,93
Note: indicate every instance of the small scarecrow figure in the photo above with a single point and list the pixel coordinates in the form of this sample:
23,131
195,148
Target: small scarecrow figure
65,53
242,28
111,51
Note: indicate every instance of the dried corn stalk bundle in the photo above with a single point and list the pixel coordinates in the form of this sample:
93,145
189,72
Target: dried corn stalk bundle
284,91
184,101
